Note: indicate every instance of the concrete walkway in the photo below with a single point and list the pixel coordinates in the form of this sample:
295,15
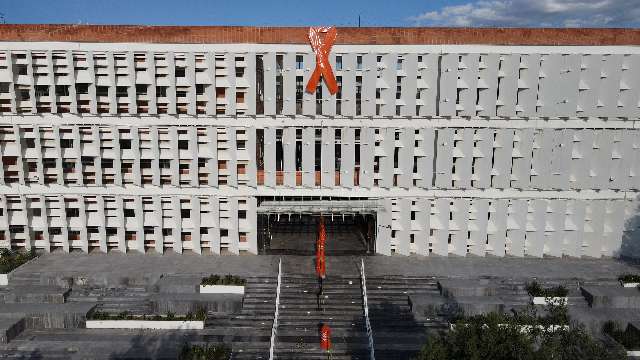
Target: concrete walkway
139,267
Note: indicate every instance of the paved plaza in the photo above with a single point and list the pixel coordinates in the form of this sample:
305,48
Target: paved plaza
44,308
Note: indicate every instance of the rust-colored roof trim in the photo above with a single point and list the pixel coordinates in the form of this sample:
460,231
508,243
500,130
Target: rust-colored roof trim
298,35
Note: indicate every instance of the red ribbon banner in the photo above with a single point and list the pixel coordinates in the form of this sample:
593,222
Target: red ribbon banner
322,46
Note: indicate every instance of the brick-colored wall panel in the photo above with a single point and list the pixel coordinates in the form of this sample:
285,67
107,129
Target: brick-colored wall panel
298,35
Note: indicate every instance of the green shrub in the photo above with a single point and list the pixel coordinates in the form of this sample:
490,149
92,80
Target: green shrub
536,290
206,352
9,259
223,280
499,337
201,315
629,278
629,338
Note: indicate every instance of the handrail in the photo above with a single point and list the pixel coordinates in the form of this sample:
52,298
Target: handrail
274,328
365,304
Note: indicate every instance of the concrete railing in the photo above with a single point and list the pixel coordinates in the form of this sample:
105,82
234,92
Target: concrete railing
365,304
274,328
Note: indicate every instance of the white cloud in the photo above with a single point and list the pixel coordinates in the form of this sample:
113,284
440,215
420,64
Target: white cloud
535,13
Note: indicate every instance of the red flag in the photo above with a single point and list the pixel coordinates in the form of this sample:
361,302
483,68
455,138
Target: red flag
325,337
321,268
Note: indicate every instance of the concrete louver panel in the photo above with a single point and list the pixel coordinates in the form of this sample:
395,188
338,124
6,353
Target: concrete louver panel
289,84
349,84
308,100
270,157
369,74
308,157
367,154
347,162
270,73
508,85
328,158
289,154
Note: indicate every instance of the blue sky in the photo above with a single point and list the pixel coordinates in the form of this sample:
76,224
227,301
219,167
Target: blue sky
526,13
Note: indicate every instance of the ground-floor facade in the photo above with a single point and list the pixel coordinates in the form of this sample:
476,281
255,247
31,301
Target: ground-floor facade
435,223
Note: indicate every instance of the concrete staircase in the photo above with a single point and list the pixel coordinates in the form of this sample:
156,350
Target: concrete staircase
300,318
397,332
248,332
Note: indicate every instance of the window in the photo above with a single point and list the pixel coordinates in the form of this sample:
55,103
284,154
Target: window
102,91
42,90
299,62
180,72
129,213
106,163
125,144
359,62
62,90
66,143
200,89
183,144
339,62
82,88
141,89
145,163
166,232
185,213
121,91
165,163
72,212
161,91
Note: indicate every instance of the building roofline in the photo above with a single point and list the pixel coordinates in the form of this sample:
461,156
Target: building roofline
298,35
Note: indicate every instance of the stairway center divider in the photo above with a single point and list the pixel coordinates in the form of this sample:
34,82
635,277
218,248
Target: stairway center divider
274,328
365,304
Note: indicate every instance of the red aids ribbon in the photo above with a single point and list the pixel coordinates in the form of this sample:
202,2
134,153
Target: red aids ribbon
325,337
322,47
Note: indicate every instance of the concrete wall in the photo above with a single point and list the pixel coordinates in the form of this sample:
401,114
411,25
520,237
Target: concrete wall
501,150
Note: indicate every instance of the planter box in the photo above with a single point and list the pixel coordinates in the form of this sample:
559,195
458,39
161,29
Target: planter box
4,279
146,324
541,300
629,284
221,289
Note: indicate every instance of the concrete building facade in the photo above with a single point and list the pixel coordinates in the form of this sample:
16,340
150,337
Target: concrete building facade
172,139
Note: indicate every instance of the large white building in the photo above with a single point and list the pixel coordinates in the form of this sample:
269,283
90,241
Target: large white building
454,141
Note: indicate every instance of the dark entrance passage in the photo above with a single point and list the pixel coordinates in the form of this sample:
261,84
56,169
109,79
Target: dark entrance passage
296,234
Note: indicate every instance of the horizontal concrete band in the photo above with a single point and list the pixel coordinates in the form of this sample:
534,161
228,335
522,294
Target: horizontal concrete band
322,121
226,191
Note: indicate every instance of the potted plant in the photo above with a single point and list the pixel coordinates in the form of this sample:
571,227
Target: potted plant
228,284
628,338
10,260
124,320
629,280
556,295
